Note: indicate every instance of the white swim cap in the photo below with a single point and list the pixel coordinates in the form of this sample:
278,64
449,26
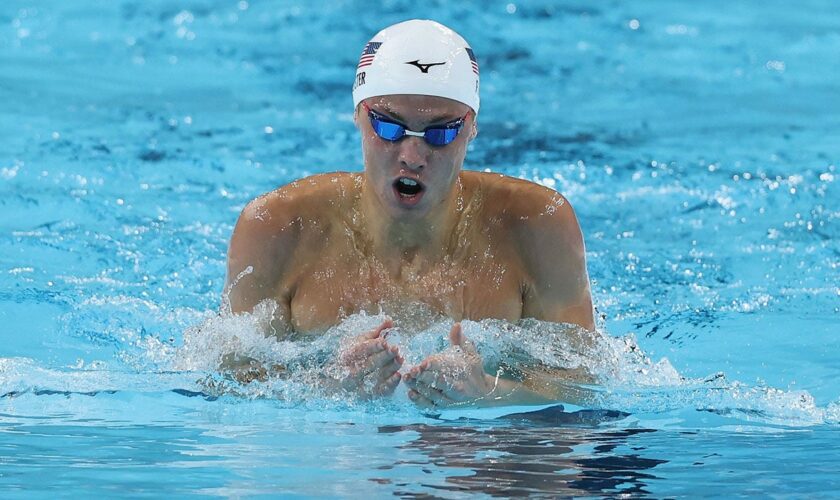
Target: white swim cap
418,57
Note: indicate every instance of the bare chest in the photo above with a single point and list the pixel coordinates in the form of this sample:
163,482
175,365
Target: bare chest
478,286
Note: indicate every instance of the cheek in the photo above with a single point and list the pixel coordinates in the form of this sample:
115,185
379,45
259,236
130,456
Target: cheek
373,147
449,161
369,154
376,161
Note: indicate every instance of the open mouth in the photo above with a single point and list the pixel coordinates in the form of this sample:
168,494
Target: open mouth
408,190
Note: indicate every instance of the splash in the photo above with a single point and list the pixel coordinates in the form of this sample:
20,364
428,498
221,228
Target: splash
590,369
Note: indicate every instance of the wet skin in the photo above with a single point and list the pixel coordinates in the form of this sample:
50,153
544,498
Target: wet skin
469,245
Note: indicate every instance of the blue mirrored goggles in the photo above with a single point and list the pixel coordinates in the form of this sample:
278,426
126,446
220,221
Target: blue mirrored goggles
435,136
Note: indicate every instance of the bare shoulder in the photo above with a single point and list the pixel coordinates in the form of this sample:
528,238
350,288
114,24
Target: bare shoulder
274,226
311,196
542,226
300,204
529,209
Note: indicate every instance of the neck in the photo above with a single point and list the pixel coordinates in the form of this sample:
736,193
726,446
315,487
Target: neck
417,241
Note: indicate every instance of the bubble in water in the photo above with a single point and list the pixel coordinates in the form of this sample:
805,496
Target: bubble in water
591,369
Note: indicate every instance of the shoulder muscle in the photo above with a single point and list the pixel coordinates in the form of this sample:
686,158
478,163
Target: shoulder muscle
553,256
261,247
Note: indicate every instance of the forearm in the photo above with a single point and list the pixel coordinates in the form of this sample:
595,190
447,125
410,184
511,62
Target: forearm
535,389
505,392
245,370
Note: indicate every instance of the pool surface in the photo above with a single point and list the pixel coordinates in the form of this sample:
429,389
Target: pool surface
698,144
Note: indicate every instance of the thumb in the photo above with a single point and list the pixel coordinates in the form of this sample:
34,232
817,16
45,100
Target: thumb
457,338
376,332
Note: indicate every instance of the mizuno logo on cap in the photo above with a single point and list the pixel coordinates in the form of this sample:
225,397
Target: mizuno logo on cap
423,67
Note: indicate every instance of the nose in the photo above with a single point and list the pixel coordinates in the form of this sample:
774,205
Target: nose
413,153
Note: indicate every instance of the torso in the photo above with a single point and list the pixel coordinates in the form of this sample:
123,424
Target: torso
335,274
331,288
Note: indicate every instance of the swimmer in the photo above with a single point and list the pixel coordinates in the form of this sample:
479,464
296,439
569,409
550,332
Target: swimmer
413,233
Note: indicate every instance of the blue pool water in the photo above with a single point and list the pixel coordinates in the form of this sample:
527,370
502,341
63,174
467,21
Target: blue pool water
698,144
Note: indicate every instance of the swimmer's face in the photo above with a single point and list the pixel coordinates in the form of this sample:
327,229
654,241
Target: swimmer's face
410,176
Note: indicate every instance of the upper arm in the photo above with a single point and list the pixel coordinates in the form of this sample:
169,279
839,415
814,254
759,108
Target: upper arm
261,248
554,257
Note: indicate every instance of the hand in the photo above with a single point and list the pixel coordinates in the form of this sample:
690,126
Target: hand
455,376
369,365
245,369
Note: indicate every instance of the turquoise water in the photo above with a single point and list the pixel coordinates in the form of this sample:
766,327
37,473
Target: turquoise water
697,144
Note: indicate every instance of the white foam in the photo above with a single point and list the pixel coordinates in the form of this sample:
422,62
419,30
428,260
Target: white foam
615,371
626,377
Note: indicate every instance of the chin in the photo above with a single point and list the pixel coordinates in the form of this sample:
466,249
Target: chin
401,210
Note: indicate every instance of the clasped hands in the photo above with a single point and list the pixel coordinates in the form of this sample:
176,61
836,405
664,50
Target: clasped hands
455,376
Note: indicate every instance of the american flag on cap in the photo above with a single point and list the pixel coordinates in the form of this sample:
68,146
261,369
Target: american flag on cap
472,60
368,53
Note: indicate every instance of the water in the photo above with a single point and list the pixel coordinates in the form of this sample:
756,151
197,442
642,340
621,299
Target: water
697,145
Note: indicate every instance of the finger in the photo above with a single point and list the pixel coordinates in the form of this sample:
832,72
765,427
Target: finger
456,335
388,386
365,349
436,371
376,332
408,379
457,338
411,375
426,382
377,361
396,350
436,396
386,371
432,376
420,400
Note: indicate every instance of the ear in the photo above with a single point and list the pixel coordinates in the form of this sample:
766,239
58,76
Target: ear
474,131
